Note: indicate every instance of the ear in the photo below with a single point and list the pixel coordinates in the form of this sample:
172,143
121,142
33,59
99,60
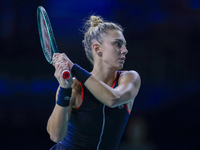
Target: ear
97,49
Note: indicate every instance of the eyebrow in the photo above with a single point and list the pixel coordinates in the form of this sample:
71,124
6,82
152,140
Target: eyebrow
121,41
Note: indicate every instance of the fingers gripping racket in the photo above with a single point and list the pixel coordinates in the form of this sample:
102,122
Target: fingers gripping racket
47,39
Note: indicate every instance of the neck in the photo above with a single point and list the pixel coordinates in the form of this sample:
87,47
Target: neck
105,74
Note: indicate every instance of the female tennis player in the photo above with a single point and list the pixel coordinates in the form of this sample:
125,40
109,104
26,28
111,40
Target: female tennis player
92,109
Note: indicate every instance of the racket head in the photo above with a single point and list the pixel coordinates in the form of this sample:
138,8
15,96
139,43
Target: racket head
46,35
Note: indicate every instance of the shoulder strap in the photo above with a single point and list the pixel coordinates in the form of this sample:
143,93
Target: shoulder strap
117,78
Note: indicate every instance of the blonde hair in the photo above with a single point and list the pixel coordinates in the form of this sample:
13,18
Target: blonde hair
95,31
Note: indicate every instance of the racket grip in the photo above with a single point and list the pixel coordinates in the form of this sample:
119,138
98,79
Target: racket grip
66,74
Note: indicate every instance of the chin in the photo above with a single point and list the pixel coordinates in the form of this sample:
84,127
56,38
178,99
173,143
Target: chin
120,67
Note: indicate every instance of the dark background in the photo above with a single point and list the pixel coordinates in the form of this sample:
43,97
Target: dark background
163,42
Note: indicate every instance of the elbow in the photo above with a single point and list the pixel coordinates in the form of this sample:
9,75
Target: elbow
119,100
112,103
56,139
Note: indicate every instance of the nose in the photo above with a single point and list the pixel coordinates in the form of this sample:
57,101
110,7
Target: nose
124,50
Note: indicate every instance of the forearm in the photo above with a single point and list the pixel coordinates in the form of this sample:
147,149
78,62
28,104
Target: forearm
95,86
58,123
104,93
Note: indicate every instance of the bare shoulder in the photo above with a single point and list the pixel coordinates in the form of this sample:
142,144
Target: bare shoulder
131,75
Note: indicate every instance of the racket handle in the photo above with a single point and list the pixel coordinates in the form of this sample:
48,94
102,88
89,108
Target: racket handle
66,74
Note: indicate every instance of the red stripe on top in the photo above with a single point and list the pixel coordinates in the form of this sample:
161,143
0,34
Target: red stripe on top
127,108
116,80
82,92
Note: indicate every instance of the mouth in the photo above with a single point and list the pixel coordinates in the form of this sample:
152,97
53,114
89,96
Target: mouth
122,58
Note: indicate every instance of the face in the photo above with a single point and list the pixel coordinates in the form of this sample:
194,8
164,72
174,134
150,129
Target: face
114,49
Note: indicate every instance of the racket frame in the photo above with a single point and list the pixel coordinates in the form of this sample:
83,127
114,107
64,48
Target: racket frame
53,46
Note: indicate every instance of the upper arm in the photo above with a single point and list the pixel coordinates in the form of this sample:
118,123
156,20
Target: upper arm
128,87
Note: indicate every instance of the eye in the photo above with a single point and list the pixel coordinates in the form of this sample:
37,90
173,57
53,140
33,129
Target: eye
118,44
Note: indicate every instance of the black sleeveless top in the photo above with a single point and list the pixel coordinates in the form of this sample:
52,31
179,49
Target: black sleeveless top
94,126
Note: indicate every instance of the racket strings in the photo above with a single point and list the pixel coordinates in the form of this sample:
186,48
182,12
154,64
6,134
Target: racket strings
45,37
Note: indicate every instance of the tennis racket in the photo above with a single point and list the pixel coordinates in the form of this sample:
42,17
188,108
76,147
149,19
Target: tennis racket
47,39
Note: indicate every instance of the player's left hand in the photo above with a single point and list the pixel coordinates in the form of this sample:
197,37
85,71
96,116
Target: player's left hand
61,63
62,57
